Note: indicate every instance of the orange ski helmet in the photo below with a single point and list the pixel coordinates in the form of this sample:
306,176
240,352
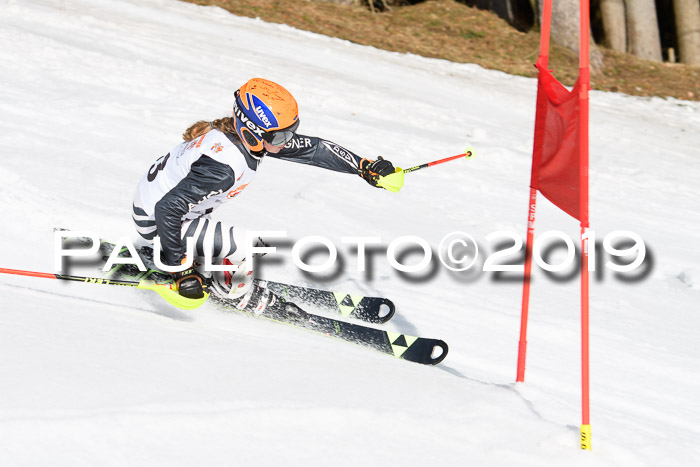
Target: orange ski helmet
264,111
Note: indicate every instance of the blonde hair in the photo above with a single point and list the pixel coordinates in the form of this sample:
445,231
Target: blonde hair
200,128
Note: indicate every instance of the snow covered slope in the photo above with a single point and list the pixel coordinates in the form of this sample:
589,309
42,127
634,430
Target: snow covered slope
92,92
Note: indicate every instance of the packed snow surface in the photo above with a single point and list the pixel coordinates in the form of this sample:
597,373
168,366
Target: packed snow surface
92,92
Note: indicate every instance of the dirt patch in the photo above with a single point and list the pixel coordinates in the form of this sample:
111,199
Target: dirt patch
452,31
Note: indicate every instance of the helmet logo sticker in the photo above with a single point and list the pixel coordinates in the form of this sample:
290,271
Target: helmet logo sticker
261,115
246,121
263,112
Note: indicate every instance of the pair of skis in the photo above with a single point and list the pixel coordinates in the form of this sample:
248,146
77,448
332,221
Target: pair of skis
281,307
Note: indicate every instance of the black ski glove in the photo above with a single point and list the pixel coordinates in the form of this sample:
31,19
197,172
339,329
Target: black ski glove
189,283
372,170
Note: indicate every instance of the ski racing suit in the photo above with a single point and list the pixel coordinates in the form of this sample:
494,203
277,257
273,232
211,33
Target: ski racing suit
174,198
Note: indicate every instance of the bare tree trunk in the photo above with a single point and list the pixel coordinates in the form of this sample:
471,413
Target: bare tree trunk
643,29
566,27
504,9
535,4
513,11
613,12
687,14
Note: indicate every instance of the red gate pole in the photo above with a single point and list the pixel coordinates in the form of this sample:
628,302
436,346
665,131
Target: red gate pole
584,76
532,207
522,344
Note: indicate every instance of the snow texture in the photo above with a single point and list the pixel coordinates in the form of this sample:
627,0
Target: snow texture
92,92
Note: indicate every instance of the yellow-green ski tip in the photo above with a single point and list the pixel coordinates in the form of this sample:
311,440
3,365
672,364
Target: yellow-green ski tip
470,152
392,182
172,296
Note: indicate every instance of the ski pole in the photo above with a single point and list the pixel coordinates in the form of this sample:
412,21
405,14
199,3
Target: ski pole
164,290
394,182
468,154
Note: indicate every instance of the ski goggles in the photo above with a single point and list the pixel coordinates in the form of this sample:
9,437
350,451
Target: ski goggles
280,137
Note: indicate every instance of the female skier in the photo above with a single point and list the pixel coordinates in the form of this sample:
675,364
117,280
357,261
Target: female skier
216,162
